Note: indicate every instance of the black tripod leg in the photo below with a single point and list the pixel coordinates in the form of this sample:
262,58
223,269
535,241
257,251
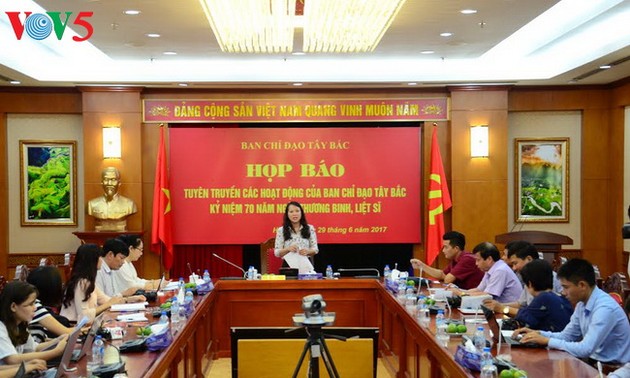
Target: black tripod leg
330,365
301,360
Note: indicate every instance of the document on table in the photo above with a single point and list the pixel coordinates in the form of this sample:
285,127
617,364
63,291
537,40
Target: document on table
135,317
129,307
302,263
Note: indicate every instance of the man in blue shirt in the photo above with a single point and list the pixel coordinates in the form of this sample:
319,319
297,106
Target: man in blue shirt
598,328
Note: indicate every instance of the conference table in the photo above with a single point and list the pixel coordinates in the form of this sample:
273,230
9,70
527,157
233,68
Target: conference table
405,348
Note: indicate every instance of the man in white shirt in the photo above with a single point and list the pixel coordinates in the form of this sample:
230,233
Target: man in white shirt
114,254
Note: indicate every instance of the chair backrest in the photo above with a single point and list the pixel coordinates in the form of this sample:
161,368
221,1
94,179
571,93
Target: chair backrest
46,261
3,282
273,263
21,272
615,283
264,247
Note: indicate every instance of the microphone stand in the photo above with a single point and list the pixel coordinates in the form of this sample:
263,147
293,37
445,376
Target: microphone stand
230,263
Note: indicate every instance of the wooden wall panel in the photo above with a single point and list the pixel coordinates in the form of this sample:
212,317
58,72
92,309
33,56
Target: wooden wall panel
53,101
4,198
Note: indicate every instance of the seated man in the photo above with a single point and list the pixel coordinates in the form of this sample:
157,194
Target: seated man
114,254
598,328
461,269
548,311
499,280
520,253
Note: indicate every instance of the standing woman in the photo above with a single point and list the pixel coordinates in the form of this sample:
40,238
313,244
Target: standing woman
81,296
127,276
296,240
17,307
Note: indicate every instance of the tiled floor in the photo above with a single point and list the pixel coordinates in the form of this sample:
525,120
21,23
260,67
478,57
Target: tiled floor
222,368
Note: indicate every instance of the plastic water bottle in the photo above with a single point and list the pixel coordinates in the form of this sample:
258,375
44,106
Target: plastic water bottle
206,276
479,339
488,370
440,323
181,282
387,272
163,318
182,313
329,272
174,312
98,351
250,273
189,301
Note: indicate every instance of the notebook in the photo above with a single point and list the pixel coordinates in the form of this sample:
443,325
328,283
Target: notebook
506,335
77,354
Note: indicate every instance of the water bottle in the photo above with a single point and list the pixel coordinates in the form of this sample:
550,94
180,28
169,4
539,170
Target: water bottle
206,276
440,323
329,272
488,370
422,312
250,273
174,312
98,351
387,272
189,301
182,313
181,282
163,318
479,339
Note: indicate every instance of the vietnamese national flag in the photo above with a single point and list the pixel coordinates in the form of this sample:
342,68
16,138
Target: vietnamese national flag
161,234
439,201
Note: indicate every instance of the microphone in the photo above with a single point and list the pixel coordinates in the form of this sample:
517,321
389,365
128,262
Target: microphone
378,274
232,264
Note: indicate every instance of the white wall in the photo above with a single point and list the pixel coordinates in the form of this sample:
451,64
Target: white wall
48,127
549,125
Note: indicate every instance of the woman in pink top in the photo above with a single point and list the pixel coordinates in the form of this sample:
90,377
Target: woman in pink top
82,297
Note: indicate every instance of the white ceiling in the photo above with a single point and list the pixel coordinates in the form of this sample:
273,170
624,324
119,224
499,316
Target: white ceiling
496,45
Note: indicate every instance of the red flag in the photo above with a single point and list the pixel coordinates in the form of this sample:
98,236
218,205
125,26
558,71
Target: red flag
439,201
161,239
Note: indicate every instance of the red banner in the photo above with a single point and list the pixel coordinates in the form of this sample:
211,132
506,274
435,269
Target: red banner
240,111
357,185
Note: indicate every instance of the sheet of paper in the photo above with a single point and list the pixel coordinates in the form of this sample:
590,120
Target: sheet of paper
136,317
302,263
129,307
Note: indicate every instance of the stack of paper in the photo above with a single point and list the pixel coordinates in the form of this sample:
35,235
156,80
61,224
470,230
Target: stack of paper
129,307
135,317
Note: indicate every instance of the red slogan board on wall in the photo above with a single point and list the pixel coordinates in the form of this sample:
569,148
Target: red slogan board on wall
357,185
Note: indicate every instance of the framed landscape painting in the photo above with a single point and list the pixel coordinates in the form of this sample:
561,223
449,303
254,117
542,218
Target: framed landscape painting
542,180
48,183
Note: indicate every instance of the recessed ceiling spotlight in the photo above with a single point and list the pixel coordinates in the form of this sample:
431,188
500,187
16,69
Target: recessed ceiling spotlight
297,53
468,11
412,84
605,66
183,84
132,12
153,35
15,82
297,84
446,34
427,52
169,53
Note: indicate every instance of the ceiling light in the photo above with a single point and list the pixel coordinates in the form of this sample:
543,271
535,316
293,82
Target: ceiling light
183,84
446,34
468,11
298,53
131,12
412,84
605,66
15,82
153,35
298,84
169,53
427,52
254,26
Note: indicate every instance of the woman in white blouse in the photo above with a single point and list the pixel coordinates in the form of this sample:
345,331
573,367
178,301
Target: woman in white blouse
296,241
127,276
81,296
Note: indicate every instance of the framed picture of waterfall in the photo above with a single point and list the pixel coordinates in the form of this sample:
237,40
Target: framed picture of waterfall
542,180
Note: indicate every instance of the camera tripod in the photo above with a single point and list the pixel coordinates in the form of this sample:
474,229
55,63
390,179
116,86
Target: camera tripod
317,346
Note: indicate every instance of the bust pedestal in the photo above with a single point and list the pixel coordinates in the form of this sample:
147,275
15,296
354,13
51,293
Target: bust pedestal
99,237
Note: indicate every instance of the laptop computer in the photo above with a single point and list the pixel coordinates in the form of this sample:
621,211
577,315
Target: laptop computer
506,335
58,372
77,354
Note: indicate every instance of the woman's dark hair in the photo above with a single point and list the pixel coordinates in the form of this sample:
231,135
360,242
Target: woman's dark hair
47,280
85,267
286,222
16,292
539,274
132,241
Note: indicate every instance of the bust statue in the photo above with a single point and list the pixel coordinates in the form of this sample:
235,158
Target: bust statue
111,209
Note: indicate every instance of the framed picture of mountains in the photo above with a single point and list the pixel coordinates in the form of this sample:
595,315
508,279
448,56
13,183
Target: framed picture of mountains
542,180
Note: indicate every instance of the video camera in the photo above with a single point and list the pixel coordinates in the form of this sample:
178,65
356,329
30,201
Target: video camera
314,308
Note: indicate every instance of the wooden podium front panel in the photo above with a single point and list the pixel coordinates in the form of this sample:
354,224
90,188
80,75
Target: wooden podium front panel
273,304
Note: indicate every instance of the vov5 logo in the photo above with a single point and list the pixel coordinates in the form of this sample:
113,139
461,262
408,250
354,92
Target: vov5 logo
40,25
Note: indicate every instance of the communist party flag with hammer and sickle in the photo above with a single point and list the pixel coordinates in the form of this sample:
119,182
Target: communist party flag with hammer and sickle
439,201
